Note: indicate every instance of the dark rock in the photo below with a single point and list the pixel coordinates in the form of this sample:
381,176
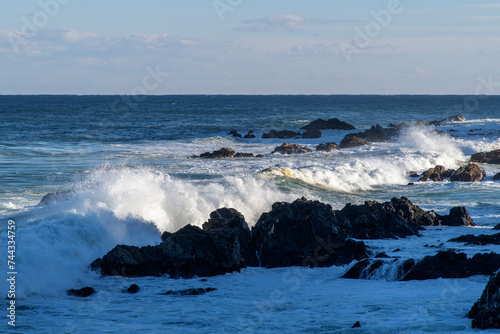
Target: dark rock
382,255
250,135
331,124
448,173
458,216
485,313
83,292
189,292
327,147
188,252
259,156
352,141
233,224
411,183
413,174
496,177
482,239
356,325
405,267
165,235
310,134
468,173
456,118
287,148
449,264
234,133
492,157
134,288
243,155
51,198
363,269
285,134
222,153
433,174
497,227
392,125
303,233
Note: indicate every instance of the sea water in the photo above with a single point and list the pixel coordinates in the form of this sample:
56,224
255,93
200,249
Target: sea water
123,167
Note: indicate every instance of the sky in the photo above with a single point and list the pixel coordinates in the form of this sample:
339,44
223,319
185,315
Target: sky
250,47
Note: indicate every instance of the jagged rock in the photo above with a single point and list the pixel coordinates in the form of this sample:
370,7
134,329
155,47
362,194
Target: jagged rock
250,135
366,268
449,264
284,134
134,288
485,313
233,224
496,177
448,173
482,239
83,292
327,147
243,155
492,157
310,134
303,233
288,148
189,292
234,133
51,198
497,227
468,173
456,118
222,153
188,252
458,216
352,141
331,124
356,325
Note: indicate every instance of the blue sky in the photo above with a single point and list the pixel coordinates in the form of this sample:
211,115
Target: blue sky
249,47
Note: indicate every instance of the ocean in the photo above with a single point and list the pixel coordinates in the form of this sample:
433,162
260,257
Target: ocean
124,166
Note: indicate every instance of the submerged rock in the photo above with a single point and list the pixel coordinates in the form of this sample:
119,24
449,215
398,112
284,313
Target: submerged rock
449,264
310,134
485,313
222,153
482,239
189,292
51,198
284,134
83,292
331,124
468,173
496,177
288,148
250,135
456,118
243,155
134,288
234,133
492,157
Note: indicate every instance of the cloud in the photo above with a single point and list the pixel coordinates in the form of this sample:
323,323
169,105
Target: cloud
282,23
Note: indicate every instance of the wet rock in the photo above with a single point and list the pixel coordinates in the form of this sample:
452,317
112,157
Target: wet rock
231,223
448,173
250,135
331,124
243,155
288,148
458,216
352,141
134,288
468,173
311,134
485,313
188,252
303,233
83,292
449,264
413,174
363,269
482,239
456,118
284,134
189,292
327,147
492,157
356,325
234,133
422,123
219,154
51,198
496,177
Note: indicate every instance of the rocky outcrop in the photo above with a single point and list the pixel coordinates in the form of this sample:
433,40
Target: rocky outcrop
485,313
328,147
352,141
188,252
219,154
449,264
366,269
243,155
458,216
83,292
284,134
189,292
331,124
288,148
235,134
492,157
482,239
436,174
250,135
303,233
468,173
51,198
310,134
231,223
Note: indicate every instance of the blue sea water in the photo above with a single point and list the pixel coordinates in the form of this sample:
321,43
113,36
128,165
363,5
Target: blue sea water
125,162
